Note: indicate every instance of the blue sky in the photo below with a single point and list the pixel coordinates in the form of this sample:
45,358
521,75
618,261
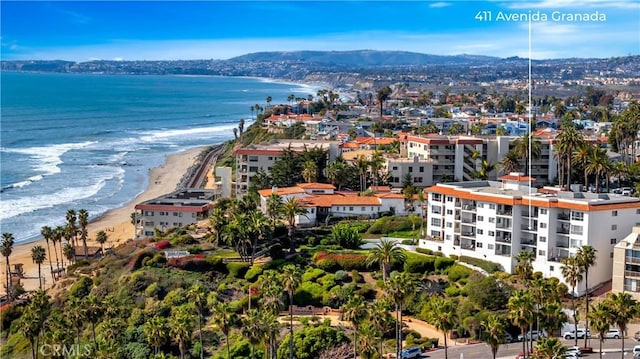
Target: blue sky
157,30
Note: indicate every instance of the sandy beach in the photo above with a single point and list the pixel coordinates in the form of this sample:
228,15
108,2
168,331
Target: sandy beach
117,222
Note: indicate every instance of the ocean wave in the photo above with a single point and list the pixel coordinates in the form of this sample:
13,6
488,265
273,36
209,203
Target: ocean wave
21,184
151,136
48,158
15,207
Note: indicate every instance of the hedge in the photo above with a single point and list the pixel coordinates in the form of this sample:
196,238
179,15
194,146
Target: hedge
309,293
419,264
458,272
238,270
331,262
488,266
312,274
386,225
424,251
442,263
253,273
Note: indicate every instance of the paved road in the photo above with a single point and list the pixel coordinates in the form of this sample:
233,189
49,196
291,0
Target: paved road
482,351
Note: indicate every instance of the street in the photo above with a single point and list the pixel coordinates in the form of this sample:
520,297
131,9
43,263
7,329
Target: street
510,350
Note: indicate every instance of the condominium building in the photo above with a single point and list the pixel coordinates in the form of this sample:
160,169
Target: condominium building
459,158
626,264
177,209
252,158
494,221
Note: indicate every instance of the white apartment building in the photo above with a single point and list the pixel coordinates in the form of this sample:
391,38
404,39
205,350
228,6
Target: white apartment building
398,167
494,221
458,157
626,264
251,158
177,209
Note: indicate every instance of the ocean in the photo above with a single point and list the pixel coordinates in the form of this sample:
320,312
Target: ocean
71,141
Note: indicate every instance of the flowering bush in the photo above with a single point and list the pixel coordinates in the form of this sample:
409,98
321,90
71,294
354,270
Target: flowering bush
163,244
332,262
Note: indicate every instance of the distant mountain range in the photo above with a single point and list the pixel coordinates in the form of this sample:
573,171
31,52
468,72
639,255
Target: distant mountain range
363,58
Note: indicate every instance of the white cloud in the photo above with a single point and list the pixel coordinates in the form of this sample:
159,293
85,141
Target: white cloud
439,4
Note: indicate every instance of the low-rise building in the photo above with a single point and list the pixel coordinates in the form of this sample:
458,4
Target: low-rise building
177,209
496,220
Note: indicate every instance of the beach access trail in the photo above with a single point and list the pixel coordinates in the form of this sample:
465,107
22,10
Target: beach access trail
116,222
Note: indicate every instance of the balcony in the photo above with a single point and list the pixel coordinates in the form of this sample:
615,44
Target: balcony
434,239
469,234
562,230
525,214
505,212
503,225
471,221
468,207
504,239
468,246
525,227
562,243
502,250
632,274
528,242
563,216
635,260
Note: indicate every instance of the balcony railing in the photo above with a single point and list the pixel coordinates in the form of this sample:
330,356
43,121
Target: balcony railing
563,216
633,274
557,257
504,212
469,234
563,230
468,207
468,246
504,240
635,260
469,220
501,225
562,244
528,241
525,227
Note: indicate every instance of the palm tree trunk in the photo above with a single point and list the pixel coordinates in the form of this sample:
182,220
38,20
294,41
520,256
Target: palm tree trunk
400,334
624,332
290,324
586,180
292,247
200,334
586,302
446,351
575,315
524,339
601,347
228,351
569,170
49,256
93,330
398,326
39,276
8,267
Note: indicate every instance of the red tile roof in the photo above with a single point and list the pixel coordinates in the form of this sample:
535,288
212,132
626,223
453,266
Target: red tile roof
517,178
316,185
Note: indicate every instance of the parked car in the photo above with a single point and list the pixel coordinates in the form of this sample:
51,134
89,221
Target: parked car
636,350
574,350
612,334
413,352
508,338
572,334
570,355
533,334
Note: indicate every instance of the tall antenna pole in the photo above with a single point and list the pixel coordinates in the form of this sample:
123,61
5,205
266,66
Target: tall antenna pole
530,132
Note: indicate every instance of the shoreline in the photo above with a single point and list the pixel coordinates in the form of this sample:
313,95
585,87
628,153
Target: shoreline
115,222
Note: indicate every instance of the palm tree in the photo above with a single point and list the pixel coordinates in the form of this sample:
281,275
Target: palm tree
495,330
198,298
271,290
581,157
521,148
268,101
47,234
601,320
521,306
362,165
567,142
69,252
354,311
274,208
310,171
217,222
76,312
290,279
375,164
623,309
586,257
258,228
83,220
101,237
549,348
486,167
384,253
524,268
291,208
6,247
442,315
71,228
338,173
253,328
30,328
58,234
509,163
93,313
223,318
181,327
378,316
552,317
599,164
572,275
38,255
367,343
156,332
399,288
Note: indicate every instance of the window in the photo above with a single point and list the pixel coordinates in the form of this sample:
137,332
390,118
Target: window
576,229
417,179
541,252
253,158
492,234
149,223
543,211
490,246
351,209
253,169
435,233
492,206
480,218
614,227
479,244
449,211
448,237
543,239
270,158
449,225
362,209
395,168
148,213
613,241
637,211
436,209
449,199
575,243
436,197
492,219
614,213
313,210
551,268
543,225
577,216
611,255
480,205
410,169
421,169
436,222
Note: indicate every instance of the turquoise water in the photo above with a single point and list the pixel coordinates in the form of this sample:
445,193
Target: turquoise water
88,141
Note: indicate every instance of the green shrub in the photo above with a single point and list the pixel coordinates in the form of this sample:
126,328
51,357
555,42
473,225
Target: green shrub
253,273
217,264
194,250
330,262
452,291
237,269
454,257
424,251
327,281
408,242
457,272
341,276
309,293
488,266
419,264
81,288
442,263
346,236
386,225
356,277
276,252
158,260
367,291
438,253
136,262
152,290
329,241
275,264
312,274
